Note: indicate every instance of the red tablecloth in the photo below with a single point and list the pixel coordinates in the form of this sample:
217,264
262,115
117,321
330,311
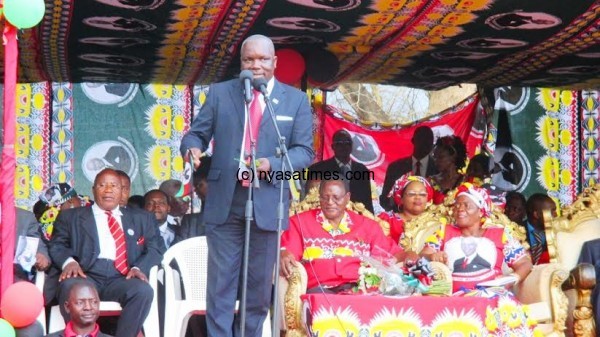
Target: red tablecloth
380,316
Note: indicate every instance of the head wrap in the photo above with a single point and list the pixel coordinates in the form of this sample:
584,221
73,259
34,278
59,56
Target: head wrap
402,182
478,195
57,194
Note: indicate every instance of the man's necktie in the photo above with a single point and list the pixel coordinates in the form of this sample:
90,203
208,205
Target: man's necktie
119,237
418,168
255,117
537,248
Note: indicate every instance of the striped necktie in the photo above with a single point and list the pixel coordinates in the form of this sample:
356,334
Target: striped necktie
538,247
119,237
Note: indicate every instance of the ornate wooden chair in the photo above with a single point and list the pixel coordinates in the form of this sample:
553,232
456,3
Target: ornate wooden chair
291,289
565,236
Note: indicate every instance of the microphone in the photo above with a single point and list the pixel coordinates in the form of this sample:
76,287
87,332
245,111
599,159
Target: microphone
260,84
246,77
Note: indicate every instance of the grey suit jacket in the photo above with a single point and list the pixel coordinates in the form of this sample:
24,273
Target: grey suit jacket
27,225
75,235
222,117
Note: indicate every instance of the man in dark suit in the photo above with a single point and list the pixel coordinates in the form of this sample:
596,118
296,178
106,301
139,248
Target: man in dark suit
83,305
420,163
355,175
470,264
111,246
223,117
157,202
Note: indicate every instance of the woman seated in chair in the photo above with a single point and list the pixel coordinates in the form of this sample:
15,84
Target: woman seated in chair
474,252
412,195
328,242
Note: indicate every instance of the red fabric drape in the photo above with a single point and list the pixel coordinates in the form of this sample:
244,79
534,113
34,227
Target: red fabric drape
7,169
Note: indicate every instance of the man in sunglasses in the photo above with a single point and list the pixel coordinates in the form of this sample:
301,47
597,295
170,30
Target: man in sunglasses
355,175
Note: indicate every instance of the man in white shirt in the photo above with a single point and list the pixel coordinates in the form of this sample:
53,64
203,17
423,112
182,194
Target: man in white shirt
157,203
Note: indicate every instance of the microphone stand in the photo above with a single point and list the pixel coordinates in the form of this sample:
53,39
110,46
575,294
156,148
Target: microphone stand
282,152
249,216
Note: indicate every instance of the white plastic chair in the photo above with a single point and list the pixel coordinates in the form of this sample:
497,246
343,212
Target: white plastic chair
191,256
110,308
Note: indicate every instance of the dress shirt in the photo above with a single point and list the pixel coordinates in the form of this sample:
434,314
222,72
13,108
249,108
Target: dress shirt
424,162
166,233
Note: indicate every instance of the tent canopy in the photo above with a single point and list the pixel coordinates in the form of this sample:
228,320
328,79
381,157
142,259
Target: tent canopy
417,43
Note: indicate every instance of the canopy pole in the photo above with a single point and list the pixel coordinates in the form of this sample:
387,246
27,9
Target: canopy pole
7,168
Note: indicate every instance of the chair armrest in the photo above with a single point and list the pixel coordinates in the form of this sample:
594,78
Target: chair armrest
543,285
583,279
289,292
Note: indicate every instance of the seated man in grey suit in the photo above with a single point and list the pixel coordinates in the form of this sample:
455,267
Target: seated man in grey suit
112,247
83,305
27,226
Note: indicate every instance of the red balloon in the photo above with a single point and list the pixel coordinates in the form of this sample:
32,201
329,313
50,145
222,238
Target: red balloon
290,66
21,304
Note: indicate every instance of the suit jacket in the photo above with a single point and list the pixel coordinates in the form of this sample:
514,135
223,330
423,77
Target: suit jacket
394,171
360,189
27,225
222,118
76,235
192,225
475,265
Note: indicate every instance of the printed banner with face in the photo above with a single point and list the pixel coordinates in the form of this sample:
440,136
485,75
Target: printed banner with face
376,147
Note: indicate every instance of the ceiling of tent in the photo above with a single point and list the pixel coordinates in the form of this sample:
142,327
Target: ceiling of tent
417,43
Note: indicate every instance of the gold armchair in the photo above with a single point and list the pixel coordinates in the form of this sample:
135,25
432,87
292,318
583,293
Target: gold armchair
565,235
291,289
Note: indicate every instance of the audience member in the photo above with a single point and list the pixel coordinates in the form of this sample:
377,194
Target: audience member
192,225
27,226
450,156
136,201
178,202
329,242
516,208
83,306
111,246
355,175
479,173
420,164
125,187
156,202
536,234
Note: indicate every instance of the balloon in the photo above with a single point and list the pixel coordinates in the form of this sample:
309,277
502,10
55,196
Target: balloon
321,66
24,13
6,330
290,66
21,304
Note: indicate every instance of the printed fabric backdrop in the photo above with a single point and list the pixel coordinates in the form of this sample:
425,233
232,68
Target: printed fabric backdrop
538,144
376,146
130,127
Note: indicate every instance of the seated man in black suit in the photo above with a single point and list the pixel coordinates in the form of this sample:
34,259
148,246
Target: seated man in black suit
355,175
420,164
112,247
83,305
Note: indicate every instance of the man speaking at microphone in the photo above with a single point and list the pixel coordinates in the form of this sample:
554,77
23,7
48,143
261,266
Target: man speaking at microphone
235,124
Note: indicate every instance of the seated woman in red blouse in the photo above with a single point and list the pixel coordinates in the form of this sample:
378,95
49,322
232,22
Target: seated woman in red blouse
412,195
329,242
475,254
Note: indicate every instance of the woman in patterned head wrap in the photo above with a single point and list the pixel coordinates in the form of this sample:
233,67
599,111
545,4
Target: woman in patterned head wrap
475,253
412,195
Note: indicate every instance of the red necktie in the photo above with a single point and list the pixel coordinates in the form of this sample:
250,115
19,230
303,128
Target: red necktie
255,117
418,168
119,237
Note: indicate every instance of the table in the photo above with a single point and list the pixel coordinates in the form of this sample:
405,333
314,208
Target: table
327,315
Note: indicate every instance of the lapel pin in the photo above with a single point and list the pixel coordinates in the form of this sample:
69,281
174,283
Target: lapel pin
130,232
275,101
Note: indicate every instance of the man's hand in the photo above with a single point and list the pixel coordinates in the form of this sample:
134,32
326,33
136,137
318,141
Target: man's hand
439,257
197,154
263,165
72,270
287,264
135,272
41,262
